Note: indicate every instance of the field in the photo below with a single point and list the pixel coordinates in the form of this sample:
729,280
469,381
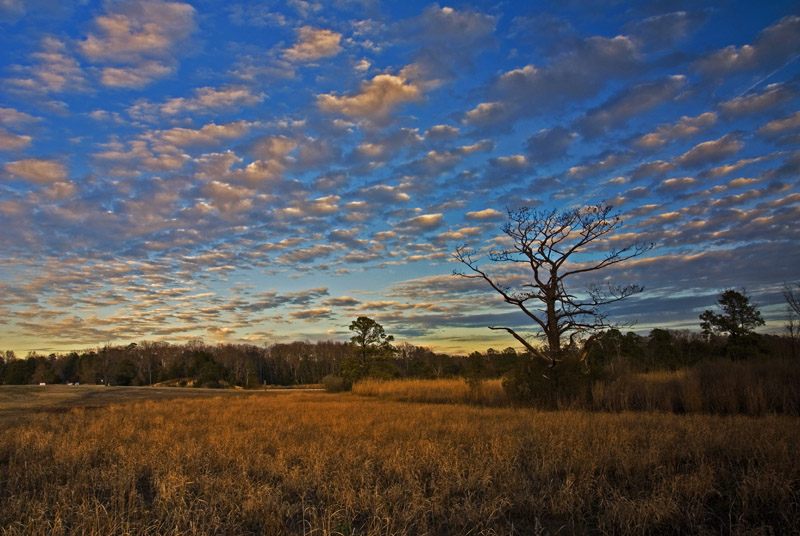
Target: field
315,463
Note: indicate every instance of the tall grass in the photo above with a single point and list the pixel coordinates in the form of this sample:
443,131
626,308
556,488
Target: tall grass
720,387
337,464
447,390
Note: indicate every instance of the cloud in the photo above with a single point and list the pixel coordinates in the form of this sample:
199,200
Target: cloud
384,194
710,152
387,146
255,15
134,77
485,214
549,144
38,171
730,168
376,99
657,167
609,161
317,153
441,132
53,70
313,253
227,199
274,147
205,100
675,185
488,114
140,38
628,103
210,134
10,116
139,156
663,31
683,128
580,71
447,39
342,301
438,161
779,126
773,95
313,44
422,223
311,315
773,47
141,29
10,140
458,234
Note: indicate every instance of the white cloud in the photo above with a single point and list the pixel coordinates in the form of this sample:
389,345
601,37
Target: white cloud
780,126
38,171
441,132
135,76
487,113
53,70
10,116
9,140
773,95
684,127
485,214
376,99
423,222
772,47
140,29
141,38
313,44
210,134
211,98
711,151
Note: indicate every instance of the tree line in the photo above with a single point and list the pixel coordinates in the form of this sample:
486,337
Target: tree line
370,355
223,365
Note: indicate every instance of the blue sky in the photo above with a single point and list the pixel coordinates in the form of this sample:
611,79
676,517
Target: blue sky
268,171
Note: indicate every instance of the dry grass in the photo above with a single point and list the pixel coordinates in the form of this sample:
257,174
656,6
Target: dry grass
338,464
17,402
449,391
723,387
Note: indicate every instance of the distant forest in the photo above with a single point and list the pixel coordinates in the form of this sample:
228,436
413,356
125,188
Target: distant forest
298,363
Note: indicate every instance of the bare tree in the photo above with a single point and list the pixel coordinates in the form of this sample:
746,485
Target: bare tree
792,296
551,244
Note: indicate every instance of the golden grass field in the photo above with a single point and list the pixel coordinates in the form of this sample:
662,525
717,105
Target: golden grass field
317,463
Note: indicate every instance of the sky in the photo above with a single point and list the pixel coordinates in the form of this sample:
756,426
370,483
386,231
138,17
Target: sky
263,172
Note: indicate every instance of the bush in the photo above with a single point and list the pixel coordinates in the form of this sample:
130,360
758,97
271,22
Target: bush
336,384
534,382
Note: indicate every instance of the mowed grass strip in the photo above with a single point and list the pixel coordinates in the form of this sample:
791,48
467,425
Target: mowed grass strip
340,464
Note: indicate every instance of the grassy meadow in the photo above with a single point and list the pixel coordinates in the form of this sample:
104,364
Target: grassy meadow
318,463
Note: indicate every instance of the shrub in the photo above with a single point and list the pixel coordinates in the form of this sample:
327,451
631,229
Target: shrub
534,382
336,384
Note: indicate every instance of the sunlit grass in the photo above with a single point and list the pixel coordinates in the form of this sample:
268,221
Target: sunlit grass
338,464
447,390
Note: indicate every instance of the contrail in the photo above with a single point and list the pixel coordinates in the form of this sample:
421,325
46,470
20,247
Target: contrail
770,75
